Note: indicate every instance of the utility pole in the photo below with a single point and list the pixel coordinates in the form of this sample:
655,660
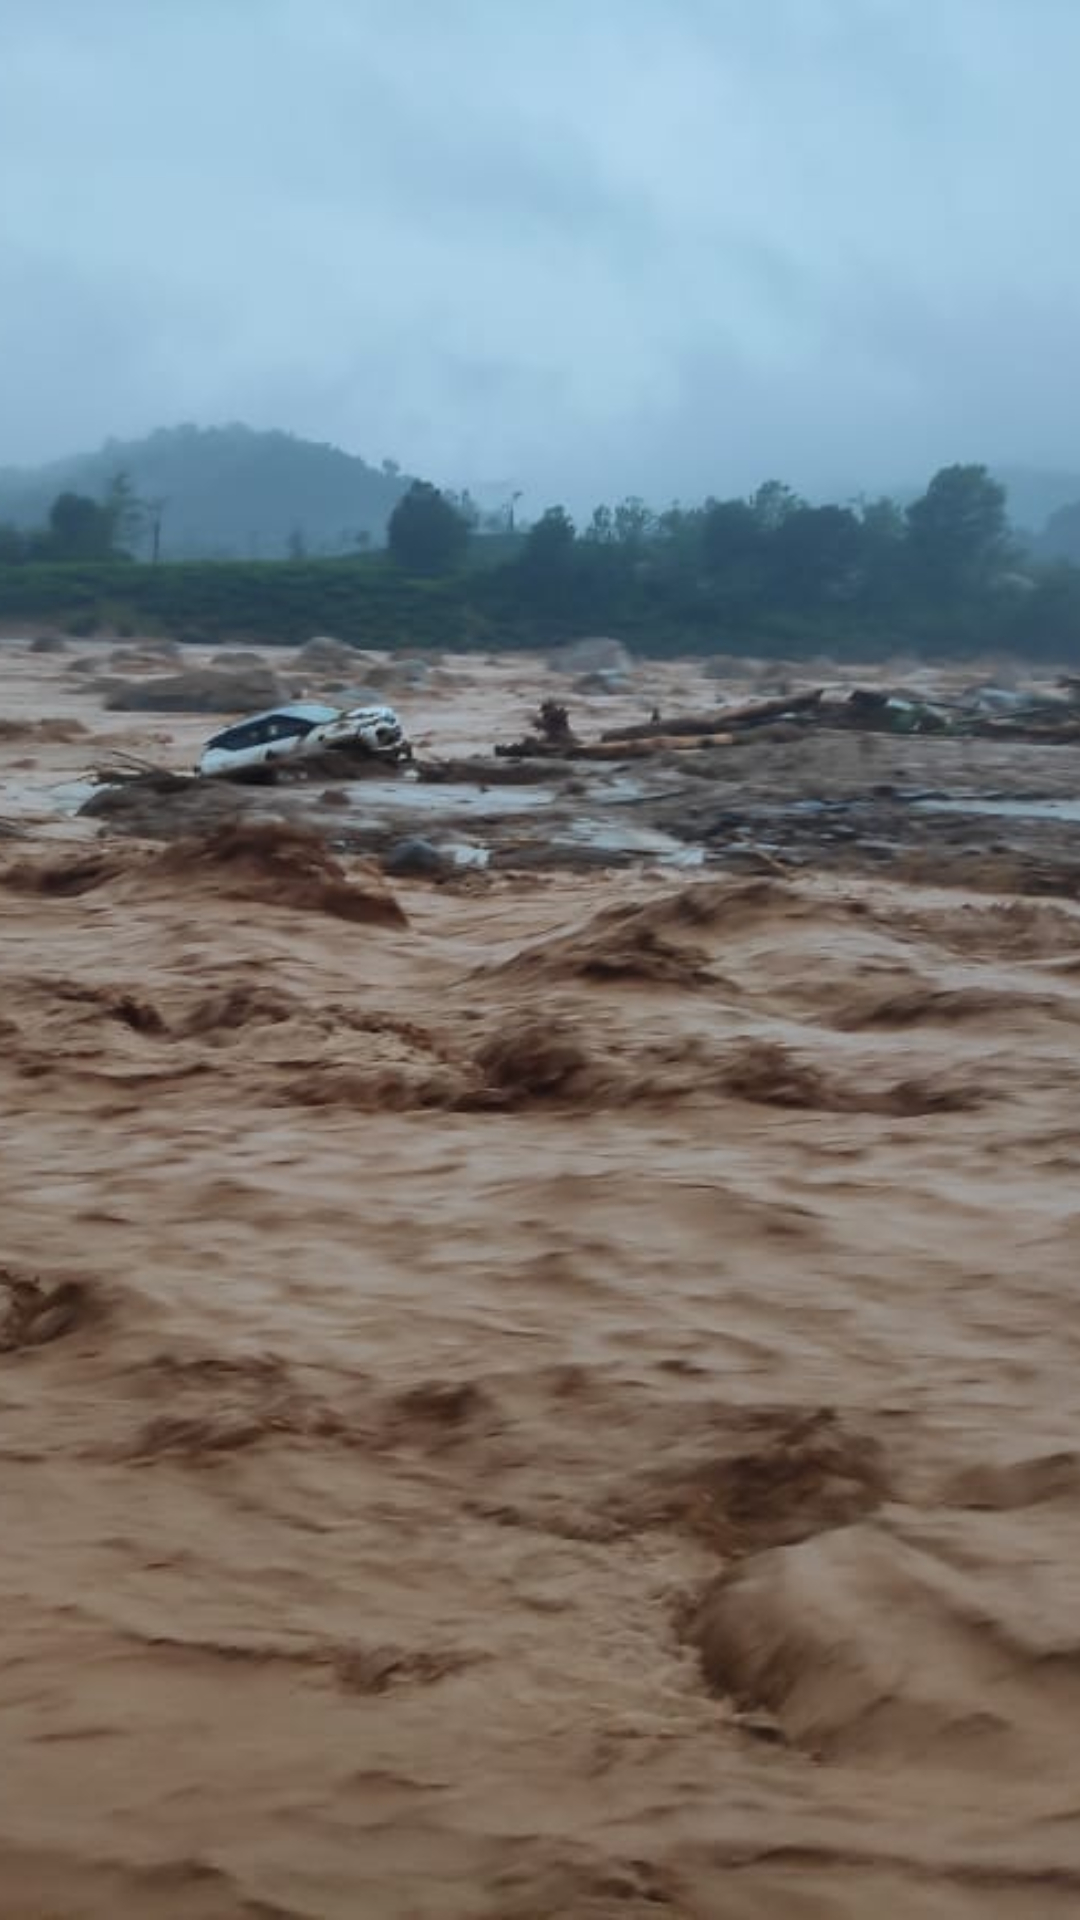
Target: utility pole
156,512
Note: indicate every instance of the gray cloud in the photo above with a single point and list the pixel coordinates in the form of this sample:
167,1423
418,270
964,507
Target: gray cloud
663,246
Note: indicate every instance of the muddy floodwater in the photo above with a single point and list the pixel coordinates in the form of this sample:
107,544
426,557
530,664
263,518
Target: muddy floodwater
555,1393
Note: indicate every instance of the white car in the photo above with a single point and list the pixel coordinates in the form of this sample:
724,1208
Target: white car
292,732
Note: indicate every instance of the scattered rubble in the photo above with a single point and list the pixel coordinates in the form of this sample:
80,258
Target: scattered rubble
981,713
767,783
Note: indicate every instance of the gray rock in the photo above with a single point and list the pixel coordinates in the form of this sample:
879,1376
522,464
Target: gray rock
203,690
327,655
153,651
414,859
238,659
399,676
592,655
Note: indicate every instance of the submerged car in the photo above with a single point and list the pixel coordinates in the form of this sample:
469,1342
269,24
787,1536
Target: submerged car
301,728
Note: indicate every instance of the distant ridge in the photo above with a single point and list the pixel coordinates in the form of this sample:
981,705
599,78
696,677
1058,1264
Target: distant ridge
227,492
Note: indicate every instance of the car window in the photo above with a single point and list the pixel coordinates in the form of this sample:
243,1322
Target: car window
256,733
234,738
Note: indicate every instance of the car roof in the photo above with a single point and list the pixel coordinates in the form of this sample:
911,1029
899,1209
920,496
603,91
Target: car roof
312,710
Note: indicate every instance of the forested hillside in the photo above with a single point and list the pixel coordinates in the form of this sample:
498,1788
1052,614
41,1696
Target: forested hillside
223,493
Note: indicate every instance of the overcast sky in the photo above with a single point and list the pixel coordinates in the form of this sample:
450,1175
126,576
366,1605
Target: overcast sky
584,247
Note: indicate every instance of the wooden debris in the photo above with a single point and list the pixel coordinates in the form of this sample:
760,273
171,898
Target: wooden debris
554,735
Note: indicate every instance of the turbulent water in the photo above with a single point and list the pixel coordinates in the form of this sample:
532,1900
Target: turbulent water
534,1397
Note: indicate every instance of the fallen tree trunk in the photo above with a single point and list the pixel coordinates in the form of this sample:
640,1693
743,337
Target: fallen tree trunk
631,748
533,748
756,714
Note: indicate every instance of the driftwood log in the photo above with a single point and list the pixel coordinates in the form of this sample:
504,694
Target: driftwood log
628,748
758,713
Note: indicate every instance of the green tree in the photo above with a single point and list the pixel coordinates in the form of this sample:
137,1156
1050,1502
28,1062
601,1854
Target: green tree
425,533
601,528
1046,619
79,529
957,532
814,554
731,535
548,569
464,504
634,524
883,557
549,543
677,543
772,503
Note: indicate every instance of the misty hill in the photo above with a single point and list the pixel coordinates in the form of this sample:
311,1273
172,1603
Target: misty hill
227,492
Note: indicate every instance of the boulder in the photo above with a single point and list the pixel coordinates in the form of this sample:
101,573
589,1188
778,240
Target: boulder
414,859
324,654
592,655
144,656
399,676
237,659
200,690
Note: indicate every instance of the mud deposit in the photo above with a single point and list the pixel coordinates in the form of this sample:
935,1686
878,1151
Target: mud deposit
553,1395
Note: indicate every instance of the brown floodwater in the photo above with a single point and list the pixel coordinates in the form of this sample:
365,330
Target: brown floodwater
545,1395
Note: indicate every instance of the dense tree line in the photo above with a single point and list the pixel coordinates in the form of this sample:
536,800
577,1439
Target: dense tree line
945,571
775,554
770,573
